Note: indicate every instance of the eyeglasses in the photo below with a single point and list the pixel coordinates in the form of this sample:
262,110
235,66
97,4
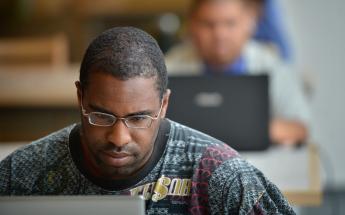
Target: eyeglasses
106,120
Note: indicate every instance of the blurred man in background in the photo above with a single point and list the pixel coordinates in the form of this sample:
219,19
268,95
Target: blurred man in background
220,44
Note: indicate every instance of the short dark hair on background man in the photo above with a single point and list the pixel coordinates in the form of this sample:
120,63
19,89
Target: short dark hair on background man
125,52
196,3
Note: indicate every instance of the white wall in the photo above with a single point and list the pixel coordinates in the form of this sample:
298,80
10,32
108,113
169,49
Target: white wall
317,30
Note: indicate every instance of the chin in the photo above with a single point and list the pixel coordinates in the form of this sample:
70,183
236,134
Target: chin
117,173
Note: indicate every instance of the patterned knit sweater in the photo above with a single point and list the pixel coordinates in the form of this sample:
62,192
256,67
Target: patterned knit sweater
188,173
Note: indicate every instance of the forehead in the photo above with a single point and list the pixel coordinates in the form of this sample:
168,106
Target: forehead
105,90
217,7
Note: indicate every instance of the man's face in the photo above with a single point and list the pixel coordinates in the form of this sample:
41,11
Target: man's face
117,151
220,29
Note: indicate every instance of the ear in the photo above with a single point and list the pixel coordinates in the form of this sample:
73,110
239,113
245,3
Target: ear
254,13
79,92
165,104
250,21
191,27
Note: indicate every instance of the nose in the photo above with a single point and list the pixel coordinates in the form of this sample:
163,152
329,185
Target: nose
119,134
220,32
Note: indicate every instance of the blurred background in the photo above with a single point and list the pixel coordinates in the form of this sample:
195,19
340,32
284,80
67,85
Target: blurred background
42,43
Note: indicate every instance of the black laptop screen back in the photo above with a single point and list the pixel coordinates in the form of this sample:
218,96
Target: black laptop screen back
234,109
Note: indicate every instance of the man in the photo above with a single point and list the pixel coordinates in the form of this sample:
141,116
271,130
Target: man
220,32
125,146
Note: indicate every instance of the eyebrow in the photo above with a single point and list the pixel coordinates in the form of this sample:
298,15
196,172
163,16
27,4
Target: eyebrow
100,109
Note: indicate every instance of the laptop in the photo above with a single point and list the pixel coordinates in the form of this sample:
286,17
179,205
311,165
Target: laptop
233,109
68,205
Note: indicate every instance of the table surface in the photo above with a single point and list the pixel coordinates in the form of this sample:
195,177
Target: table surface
294,171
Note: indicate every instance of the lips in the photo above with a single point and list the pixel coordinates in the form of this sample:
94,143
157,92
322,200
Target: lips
117,154
116,159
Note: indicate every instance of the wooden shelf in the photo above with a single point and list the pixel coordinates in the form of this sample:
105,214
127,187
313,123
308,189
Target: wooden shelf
88,8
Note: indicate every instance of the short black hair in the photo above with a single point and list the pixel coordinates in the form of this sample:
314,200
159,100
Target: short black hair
125,53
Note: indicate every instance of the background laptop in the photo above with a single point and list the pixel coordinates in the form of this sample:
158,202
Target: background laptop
76,205
234,109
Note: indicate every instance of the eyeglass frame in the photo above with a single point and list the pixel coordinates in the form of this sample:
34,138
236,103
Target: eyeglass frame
123,119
